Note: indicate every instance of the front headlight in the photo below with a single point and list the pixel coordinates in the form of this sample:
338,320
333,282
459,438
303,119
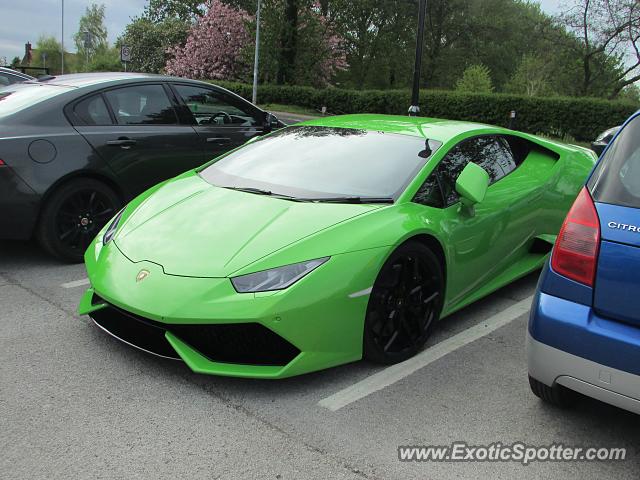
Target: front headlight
113,226
276,278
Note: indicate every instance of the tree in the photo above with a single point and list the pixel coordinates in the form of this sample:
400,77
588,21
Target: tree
185,10
531,78
106,61
50,47
213,49
15,62
91,37
607,31
315,56
475,79
150,41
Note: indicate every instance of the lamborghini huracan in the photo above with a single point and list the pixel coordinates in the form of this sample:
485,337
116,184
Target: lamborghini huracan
329,241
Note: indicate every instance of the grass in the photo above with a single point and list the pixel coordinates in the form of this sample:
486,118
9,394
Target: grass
278,107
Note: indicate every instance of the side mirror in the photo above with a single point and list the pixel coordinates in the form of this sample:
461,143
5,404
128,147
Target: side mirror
271,122
472,185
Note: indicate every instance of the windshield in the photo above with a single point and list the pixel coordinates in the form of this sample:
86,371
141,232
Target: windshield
324,162
616,179
19,96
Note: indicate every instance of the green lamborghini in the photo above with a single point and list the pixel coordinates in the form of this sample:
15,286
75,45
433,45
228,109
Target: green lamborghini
329,241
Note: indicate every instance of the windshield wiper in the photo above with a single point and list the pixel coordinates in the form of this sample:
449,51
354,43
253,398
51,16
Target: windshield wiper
259,191
348,199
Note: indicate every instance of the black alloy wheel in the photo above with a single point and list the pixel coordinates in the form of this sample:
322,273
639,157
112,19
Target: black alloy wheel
404,305
73,216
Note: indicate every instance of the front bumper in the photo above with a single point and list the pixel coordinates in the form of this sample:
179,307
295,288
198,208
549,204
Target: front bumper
570,345
317,320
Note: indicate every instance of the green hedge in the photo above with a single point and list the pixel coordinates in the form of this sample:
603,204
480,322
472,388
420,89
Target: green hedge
580,118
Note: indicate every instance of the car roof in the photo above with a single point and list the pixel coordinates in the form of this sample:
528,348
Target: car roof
432,128
79,80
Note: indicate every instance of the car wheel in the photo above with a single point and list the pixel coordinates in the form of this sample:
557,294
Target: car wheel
404,304
557,395
73,215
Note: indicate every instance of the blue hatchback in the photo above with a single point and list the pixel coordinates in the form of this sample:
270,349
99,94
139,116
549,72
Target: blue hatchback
584,328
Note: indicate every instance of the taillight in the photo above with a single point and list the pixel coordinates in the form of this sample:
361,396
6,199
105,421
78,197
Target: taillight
2,162
575,254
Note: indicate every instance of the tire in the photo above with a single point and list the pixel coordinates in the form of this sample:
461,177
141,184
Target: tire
72,216
557,395
404,305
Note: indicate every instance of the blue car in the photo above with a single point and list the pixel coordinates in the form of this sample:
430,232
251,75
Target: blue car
584,328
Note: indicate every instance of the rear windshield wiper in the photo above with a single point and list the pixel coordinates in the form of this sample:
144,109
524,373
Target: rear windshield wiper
348,199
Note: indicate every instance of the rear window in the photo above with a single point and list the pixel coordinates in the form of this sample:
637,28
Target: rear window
19,96
616,179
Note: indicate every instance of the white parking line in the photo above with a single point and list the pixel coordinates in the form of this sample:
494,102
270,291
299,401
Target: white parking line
76,283
397,372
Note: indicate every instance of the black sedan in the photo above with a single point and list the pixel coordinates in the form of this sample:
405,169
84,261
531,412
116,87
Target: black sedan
75,148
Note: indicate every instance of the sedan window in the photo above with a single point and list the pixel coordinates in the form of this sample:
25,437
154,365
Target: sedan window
20,96
141,105
92,111
211,107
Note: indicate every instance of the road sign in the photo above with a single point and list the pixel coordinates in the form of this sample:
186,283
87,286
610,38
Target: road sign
125,53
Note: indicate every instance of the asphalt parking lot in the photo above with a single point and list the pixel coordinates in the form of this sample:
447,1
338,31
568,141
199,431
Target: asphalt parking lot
76,403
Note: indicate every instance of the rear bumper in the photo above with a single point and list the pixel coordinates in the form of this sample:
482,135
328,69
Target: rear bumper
552,366
571,345
19,206
577,329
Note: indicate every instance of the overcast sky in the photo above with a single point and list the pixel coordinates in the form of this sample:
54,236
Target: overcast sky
26,20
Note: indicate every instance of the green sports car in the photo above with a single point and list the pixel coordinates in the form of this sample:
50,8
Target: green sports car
329,241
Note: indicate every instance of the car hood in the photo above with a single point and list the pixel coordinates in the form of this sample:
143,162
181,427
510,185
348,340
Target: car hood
194,229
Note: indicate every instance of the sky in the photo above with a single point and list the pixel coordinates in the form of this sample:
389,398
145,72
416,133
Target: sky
25,20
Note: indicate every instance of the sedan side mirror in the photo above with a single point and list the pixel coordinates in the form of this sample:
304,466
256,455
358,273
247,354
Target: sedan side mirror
271,122
472,185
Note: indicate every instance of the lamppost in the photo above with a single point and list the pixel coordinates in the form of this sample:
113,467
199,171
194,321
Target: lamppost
62,42
414,109
254,96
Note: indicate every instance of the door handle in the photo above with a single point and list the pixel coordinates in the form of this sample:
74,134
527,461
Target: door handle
123,142
219,140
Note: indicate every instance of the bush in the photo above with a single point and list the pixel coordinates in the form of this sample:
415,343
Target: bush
580,118
475,79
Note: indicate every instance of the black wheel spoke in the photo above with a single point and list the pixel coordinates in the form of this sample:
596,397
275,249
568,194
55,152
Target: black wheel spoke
80,216
404,303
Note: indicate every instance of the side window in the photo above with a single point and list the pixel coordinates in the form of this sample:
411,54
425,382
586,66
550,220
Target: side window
493,153
430,193
141,105
92,111
495,156
450,169
210,107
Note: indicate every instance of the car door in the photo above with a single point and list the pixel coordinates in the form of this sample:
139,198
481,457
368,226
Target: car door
222,121
135,129
481,244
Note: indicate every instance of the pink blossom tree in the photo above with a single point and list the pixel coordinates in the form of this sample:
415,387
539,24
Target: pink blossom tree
213,49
